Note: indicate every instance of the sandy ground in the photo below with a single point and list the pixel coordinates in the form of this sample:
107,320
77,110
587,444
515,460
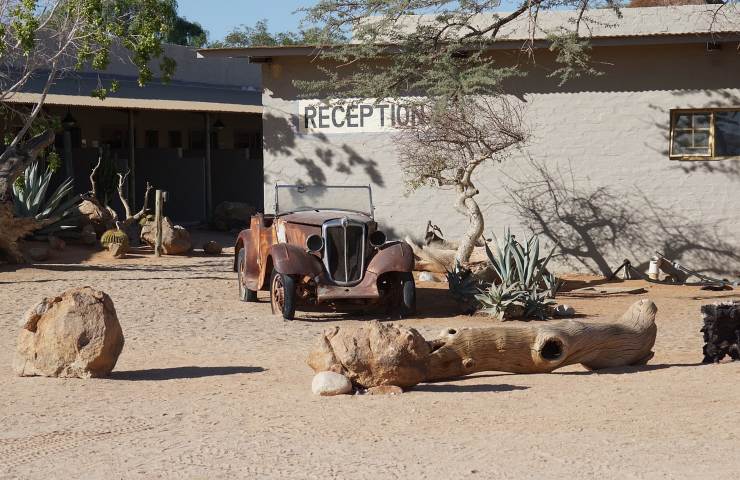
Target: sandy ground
209,387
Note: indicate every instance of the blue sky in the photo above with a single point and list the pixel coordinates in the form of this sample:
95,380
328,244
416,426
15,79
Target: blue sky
220,16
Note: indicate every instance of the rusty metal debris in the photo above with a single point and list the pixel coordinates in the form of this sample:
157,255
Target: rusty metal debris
674,273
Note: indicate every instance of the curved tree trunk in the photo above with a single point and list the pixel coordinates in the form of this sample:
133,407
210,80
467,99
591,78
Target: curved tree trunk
16,161
467,205
382,354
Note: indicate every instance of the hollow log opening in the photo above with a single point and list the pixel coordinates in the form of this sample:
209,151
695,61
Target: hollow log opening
552,350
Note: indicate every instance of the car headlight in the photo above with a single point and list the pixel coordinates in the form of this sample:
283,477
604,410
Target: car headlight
377,238
314,243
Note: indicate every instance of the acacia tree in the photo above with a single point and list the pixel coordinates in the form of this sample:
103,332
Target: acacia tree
447,148
50,39
440,49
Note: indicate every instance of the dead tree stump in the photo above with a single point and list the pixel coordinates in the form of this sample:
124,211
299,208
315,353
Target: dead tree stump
382,354
721,331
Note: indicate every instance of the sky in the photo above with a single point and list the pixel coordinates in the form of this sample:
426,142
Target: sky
219,17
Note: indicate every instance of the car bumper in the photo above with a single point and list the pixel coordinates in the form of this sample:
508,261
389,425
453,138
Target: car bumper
367,289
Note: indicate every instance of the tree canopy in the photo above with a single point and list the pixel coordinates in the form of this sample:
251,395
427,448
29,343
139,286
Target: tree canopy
49,39
260,35
440,47
185,32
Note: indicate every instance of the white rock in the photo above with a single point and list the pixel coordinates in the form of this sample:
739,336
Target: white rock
330,383
427,277
564,310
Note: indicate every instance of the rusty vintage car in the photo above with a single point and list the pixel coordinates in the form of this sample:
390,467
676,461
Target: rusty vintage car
323,249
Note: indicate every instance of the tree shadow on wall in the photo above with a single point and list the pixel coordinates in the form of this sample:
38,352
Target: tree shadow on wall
280,139
588,224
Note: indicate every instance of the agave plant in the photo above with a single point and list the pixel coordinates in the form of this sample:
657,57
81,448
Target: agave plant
525,280
502,259
537,304
463,284
498,299
30,198
552,283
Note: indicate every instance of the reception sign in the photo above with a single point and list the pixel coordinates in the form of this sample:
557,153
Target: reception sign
348,116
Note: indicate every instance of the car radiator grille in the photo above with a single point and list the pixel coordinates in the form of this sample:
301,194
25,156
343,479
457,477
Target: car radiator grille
345,251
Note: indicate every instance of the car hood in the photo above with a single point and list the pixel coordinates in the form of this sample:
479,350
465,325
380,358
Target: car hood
318,217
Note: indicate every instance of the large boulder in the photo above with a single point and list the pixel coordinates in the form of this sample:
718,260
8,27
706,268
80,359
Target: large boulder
373,354
76,334
228,215
175,239
94,214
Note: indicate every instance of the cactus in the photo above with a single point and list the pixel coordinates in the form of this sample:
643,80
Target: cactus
114,235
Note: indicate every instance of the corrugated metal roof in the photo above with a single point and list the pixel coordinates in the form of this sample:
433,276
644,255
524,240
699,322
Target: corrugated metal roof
673,24
631,22
136,103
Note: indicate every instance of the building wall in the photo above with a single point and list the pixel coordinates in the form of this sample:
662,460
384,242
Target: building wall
236,163
603,140
95,123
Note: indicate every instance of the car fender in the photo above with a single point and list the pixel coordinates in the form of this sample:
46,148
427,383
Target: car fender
292,260
242,240
393,257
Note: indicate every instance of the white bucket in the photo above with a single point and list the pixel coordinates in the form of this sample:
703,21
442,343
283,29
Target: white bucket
653,270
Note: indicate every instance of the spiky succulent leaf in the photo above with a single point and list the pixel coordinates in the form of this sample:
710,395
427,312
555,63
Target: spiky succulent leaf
30,199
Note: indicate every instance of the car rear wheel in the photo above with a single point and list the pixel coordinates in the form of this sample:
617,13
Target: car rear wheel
283,295
245,294
407,305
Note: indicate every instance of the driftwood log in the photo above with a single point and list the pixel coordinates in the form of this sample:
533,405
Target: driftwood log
385,354
437,259
13,230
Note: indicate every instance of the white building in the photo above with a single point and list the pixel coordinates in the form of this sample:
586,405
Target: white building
642,158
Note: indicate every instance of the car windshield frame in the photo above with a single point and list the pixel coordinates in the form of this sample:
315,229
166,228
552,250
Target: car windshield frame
297,188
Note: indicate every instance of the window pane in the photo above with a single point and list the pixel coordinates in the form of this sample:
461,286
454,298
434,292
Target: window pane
683,121
701,120
701,139
727,134
681,142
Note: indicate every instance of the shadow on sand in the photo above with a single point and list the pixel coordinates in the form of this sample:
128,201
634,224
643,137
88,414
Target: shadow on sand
631,369
176,373
475,388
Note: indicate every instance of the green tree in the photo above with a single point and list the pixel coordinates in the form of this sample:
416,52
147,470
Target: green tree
260,35
49,39
185,32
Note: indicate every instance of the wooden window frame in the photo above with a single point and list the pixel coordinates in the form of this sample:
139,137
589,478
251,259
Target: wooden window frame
712,153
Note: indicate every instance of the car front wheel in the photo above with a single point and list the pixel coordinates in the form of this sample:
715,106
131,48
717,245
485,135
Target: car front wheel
408,295
245,294
282,295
